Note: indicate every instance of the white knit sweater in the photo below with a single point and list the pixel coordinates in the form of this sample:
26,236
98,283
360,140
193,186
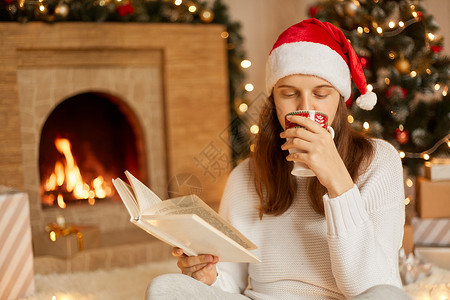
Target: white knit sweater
307,256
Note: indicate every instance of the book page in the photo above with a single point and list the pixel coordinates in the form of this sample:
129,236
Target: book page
126,194
196,237
144,196
192,204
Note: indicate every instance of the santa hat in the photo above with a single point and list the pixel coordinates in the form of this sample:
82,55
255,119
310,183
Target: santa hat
318,48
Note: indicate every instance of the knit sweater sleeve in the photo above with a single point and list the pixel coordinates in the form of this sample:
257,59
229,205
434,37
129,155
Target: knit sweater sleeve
365,225
233,277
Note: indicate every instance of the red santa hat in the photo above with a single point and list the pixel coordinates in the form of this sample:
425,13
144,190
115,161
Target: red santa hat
318,48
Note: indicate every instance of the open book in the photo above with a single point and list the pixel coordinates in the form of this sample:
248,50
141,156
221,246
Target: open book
185,222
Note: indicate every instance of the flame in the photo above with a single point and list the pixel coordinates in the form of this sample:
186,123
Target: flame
68,173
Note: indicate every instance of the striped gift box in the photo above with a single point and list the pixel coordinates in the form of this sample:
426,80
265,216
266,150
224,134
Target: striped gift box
16,255
431,232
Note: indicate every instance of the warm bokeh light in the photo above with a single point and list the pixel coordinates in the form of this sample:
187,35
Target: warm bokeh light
243,107
409,182
426,156
413,74
178,2
401,154
391,24
254,129
370,87
192,8
366,125
401,24
224,35
350,119
249,87
246,63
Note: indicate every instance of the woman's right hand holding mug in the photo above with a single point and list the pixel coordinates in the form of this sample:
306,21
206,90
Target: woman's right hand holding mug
201,267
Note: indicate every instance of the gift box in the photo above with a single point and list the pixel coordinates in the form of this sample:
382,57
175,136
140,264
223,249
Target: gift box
16,255
438,169
77,239
433,198
408,239
431,232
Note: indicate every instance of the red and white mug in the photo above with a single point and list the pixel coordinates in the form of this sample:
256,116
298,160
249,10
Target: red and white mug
301,169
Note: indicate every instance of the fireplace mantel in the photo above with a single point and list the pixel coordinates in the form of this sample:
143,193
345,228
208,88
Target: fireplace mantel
190,80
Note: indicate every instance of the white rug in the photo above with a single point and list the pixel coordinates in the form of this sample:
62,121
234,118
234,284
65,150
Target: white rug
131,283
116,284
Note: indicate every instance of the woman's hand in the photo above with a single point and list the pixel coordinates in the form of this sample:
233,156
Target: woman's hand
319,153
201,267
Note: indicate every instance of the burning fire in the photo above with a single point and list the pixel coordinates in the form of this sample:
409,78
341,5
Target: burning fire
69,174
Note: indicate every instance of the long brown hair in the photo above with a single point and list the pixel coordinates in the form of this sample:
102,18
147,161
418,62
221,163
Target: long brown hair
275,185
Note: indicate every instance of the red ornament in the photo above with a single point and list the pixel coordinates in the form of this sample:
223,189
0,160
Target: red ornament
395,90
419,15
8,1
402,136
365,63
124,10
436,49
313,10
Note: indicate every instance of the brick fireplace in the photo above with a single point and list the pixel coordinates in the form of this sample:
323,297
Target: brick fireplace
171,78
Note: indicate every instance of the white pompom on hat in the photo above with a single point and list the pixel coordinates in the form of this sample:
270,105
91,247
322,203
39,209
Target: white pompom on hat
312,47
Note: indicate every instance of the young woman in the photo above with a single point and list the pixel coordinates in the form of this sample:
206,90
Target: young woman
333,236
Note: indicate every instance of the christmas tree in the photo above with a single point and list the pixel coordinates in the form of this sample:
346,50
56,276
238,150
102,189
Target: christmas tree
401,52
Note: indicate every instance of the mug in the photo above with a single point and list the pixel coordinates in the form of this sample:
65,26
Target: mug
300,169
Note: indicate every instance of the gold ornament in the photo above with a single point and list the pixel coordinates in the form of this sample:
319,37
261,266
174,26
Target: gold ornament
350,8
62,10
403,65
206,16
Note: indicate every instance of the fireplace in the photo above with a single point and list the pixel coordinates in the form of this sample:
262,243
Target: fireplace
166,84
88,140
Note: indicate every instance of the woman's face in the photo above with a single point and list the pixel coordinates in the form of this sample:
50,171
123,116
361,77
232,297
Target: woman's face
305,92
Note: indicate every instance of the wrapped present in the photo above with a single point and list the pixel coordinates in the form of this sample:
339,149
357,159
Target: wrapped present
65,240
431,232
16,254
433,198
408,239
438,169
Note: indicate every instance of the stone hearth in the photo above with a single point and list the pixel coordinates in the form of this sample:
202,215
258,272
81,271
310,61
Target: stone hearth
172,77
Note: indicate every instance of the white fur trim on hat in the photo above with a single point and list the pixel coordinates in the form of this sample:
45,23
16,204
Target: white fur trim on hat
367,101
308,58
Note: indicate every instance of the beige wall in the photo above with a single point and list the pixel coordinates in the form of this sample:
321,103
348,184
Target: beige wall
263,20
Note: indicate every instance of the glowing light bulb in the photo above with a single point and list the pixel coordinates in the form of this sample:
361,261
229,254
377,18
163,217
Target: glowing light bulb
437,86
379,30
409,182
366,29
426,156
224,35
246,63
366,125
428,71
431,36
414,13
52,236
360,30
249,87
350,119
401,24
243,107
401,154
413,74
448,144
254,129
192,8
370,87
178,2
252,147
387,81
407,200
391,24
